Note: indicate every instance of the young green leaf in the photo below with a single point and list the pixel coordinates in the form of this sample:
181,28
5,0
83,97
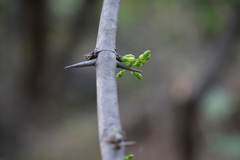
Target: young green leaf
137,75
138,63
128,59
143,56
148,57
121,73
128,157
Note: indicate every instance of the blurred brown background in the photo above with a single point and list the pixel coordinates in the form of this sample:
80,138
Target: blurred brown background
187,107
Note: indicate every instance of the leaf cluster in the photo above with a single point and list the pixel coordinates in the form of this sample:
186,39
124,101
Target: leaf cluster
130,61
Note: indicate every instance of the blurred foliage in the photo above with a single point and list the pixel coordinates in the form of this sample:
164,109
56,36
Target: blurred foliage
228,145
209,16
64,9
61,14
212,14
129,13
217,104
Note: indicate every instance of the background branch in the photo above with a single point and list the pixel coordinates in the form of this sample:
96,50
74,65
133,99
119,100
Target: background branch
187,112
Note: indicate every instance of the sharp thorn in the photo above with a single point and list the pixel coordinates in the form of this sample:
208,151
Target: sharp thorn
123,66
82,64
128,143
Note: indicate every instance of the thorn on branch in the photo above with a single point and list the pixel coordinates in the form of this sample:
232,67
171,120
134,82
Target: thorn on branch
83,64
128,143
123,66
92,58
123,144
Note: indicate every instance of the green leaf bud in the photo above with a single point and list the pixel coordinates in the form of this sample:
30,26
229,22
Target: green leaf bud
138,63
137,75
124,59
148,57
131,59
128,64
128,58
128,157
130,55
143,62
143,56
120,74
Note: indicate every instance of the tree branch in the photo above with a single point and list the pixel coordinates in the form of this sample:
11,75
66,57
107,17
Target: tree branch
110,129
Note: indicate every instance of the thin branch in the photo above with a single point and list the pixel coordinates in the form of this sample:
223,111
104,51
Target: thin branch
110,129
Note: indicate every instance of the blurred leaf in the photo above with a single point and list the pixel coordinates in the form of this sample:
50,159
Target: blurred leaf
229,2
217,103
209,16
130,13
228,145
63,8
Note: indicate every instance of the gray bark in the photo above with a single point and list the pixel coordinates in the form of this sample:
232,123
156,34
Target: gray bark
110,129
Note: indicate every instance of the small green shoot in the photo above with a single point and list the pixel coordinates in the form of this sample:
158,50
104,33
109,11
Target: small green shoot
128,157
137,75
130,61
121,73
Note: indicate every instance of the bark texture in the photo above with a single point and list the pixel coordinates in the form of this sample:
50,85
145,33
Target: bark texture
110,129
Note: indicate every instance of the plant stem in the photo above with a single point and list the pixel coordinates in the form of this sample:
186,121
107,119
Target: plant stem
107,98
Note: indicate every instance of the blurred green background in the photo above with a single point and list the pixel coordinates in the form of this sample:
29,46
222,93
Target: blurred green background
187,107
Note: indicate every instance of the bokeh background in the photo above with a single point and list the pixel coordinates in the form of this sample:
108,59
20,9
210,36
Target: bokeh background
187,107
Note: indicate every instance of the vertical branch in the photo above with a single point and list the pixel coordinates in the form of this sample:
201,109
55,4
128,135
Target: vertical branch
110,130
